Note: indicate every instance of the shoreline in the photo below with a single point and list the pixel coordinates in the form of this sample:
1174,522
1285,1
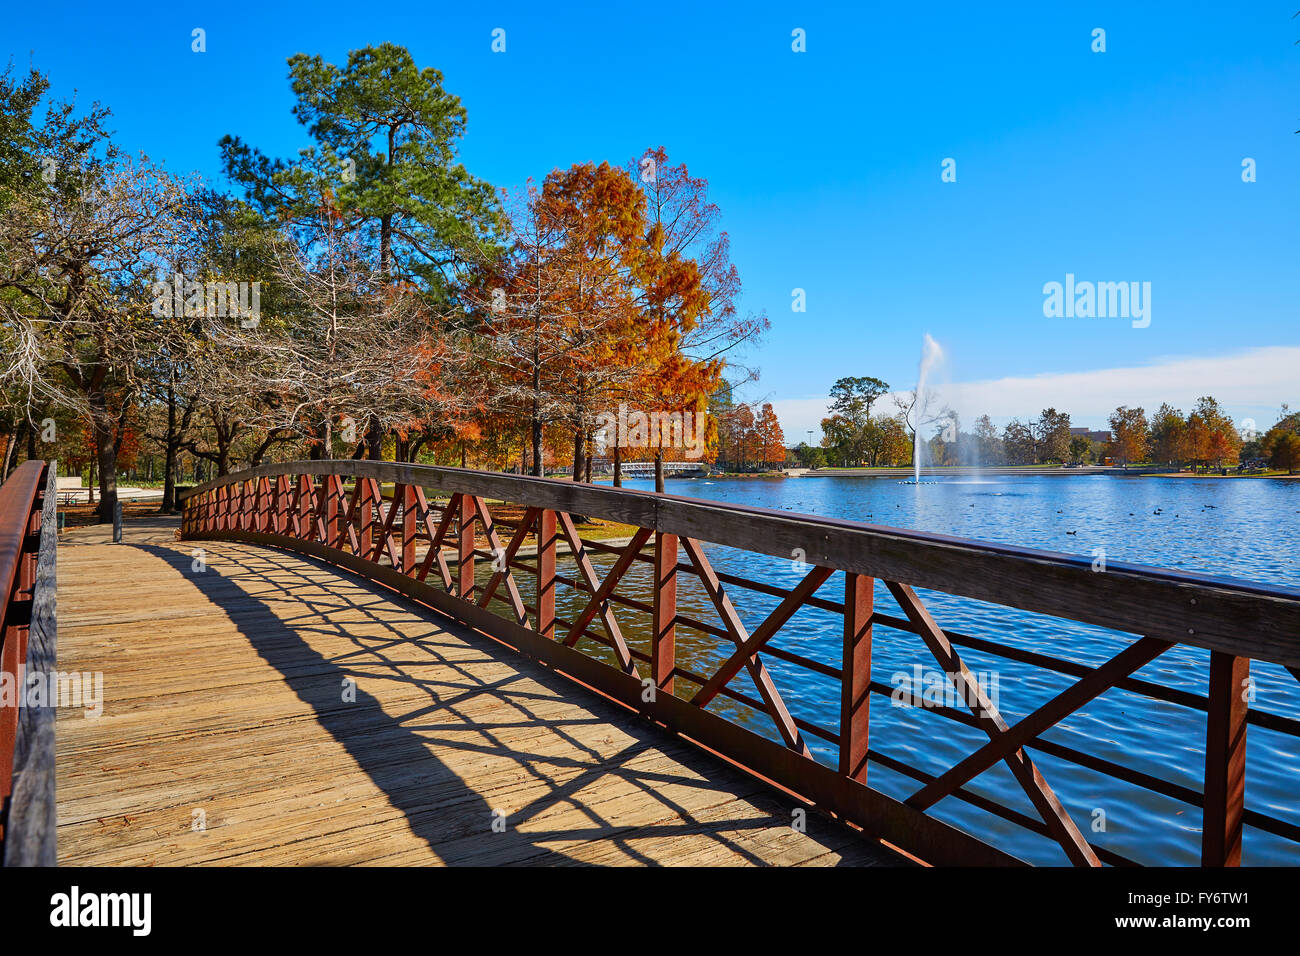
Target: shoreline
1004,471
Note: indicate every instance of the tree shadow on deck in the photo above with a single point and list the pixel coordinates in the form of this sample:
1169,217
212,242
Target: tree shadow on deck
401,752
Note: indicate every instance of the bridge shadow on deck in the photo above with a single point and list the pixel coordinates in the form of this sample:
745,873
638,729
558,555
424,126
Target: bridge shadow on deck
410,756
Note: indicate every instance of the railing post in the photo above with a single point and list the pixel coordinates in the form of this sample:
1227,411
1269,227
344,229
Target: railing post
855,682
304,509
366,501
1225,760
326,514
546,533
262,514
277,505
663,643
465,548
332,487
245,506
286,505
410,525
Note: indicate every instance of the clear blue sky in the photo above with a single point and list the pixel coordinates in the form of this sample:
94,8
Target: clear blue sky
1123,165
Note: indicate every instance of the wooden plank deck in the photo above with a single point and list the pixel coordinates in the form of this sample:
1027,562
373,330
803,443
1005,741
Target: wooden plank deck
224,693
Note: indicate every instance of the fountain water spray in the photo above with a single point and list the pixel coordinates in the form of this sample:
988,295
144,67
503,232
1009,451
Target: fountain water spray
931,355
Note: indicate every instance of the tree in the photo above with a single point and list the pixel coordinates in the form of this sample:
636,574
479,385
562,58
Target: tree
852,398
1053,435
385,157
838,438
742,433
769,436
601,213
386,140
856,437
895,443
1080,449
688,292
1282,447
1166,435
916,410
809,456
558,311
1212,434
1129,434
987,442
1019,445
79,253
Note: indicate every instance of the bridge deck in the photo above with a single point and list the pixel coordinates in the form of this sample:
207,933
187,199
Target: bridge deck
224,694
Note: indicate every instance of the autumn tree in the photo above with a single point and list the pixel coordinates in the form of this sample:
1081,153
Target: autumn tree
740,431
1212,435
1129,434
1281,445
769,436
608,341
557,311
688,294
1165,434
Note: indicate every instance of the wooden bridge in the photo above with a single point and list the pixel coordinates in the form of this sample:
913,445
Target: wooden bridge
349,662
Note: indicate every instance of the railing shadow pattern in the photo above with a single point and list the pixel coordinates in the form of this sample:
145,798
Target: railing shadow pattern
316,635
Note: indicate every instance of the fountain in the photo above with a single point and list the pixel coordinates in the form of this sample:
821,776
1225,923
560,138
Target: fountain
915,413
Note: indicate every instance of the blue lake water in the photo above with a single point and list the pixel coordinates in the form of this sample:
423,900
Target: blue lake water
1244,528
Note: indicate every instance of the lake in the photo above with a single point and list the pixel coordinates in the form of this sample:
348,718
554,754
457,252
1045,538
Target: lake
1244,528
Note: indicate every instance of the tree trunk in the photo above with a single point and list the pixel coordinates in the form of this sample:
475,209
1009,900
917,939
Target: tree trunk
11,450
169,451
618,467
374,439
171,466
579,452
106,453
536,426
168,504
323,440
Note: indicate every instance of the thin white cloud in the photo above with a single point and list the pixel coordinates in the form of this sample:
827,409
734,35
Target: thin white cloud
1251,384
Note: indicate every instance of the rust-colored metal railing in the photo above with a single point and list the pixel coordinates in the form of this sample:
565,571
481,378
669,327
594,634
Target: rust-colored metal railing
28,536
340,511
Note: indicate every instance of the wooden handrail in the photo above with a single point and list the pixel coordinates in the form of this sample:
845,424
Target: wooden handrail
28,539
306,507
1231,615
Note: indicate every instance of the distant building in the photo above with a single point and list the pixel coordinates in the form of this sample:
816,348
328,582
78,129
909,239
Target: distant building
1103,437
